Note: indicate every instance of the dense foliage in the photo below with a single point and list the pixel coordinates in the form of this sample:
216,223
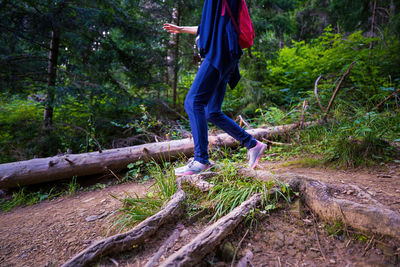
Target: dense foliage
120,80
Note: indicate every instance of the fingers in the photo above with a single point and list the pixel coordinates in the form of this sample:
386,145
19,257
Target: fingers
171,28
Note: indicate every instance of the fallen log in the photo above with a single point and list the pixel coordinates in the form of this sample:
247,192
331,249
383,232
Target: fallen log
137,235
371,217
206,241
66,166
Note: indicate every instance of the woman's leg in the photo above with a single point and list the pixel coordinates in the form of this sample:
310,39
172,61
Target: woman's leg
215,115
197,98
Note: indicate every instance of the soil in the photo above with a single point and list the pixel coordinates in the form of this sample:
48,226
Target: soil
51,232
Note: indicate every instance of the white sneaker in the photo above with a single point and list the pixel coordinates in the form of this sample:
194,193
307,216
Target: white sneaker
192,167
254,154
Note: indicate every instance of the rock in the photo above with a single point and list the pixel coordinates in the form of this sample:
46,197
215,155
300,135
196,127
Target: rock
184,233
226,251
96,217
301,247
87,200
278,244
292,252
289,240
280,236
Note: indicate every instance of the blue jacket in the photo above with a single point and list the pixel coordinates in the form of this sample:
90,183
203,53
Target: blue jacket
218,40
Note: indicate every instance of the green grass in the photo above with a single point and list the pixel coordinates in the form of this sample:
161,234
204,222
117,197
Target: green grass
135,208
231,189
357,139
26,196
304,163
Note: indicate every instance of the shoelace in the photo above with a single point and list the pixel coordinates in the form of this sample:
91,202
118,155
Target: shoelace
190,163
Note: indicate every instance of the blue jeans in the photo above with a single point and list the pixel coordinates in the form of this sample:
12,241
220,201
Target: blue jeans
203,103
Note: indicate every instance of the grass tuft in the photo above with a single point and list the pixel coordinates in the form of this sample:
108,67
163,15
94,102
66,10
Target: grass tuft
136,209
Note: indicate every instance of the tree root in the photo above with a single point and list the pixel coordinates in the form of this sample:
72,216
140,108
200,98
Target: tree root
319,197
125,241
167,245
197,181
206,241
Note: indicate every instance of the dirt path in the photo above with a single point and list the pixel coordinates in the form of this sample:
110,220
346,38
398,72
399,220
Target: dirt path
49,233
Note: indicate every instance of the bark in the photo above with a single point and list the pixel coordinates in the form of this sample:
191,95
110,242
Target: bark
173,57
205,242
197,181
66,166
281,40
137,235
51,79
371,45
318,196
365,217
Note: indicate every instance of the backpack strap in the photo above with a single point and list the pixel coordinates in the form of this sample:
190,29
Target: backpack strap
225,5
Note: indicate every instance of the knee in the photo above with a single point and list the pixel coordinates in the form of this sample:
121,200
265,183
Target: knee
188,105
213,116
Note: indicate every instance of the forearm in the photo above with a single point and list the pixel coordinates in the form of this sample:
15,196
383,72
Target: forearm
189,29
172,28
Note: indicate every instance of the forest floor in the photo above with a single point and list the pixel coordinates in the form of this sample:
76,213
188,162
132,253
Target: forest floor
51,232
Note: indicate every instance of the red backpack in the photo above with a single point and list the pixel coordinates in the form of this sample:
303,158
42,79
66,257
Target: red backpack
243,26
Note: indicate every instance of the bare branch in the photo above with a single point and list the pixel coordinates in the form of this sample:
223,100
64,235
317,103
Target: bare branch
337,88
387,98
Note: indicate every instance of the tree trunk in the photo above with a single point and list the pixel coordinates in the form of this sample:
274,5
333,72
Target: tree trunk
371,45
173,57
51,79
281,40
66,166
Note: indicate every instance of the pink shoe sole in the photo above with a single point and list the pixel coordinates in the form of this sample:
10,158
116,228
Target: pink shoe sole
191,172
259,157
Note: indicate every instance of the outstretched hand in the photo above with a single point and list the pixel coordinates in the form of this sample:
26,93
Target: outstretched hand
171,28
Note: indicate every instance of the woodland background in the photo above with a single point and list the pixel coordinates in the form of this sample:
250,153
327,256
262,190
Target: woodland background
78,76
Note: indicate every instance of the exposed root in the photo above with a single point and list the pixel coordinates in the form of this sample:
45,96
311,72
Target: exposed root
125,241
197,181
167,245
206,241
319,197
